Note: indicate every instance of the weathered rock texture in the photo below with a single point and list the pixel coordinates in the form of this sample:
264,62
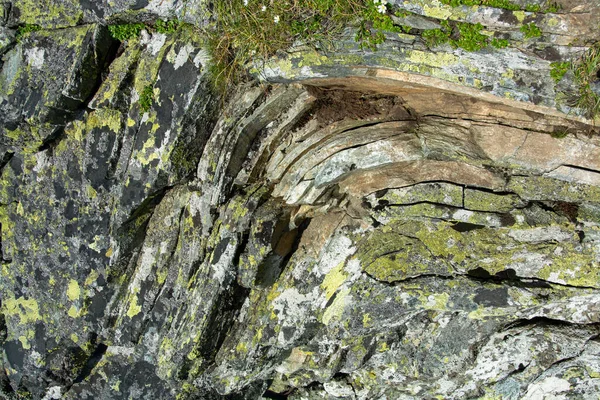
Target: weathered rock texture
402,224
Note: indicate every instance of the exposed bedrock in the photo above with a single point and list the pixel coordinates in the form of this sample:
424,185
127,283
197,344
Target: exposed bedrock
360,232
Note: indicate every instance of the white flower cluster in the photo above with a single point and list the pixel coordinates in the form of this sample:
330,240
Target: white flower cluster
381,6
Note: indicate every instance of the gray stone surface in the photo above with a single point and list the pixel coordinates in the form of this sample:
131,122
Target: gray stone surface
372,232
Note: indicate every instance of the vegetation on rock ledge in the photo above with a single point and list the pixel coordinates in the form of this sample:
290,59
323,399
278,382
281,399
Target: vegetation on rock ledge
244,29
586,73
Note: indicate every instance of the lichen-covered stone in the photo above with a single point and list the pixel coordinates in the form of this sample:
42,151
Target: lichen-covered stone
391,229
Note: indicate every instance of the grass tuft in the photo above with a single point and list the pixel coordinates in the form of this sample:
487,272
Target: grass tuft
244,30
586,72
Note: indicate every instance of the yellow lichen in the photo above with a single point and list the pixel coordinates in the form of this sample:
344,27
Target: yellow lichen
27,310
73,290
333,280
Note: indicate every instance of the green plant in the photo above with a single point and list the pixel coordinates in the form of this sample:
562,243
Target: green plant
585,73
147,98
463,35
558,70
125,32
166,26
435,37
245,30
531,30
505,4
499,43
552,7
471,38
25,29
560,133
533,8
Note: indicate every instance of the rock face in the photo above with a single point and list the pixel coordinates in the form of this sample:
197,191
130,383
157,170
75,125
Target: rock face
363,225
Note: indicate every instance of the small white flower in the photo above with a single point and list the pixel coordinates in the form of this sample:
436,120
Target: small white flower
245,2
263,9
276,19
382,8
377,1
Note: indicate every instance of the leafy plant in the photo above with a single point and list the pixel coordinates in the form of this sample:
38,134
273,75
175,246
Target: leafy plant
147,98
558,70
435,37
533,8
125,32
25,29
552,7
499,43
470,37
531,30
167,26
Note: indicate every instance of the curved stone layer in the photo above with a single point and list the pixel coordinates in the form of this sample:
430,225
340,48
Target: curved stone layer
358,235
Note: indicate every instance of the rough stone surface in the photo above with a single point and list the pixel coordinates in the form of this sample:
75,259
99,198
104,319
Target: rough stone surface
358,228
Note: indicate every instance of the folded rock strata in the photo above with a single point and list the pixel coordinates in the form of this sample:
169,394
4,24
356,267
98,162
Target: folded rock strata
352,228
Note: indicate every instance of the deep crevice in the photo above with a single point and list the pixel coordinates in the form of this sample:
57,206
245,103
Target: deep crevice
6,159
542,321
92,361
267,278
579,167
52,140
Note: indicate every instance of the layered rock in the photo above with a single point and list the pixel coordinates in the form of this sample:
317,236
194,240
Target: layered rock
352,229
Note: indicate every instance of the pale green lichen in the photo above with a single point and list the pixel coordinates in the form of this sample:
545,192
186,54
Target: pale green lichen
49,13
542,188
73,290
27,310
333,280
485,201
336,308
134,308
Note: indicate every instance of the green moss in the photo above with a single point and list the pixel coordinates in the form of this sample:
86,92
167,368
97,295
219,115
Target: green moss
531,30
125,32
